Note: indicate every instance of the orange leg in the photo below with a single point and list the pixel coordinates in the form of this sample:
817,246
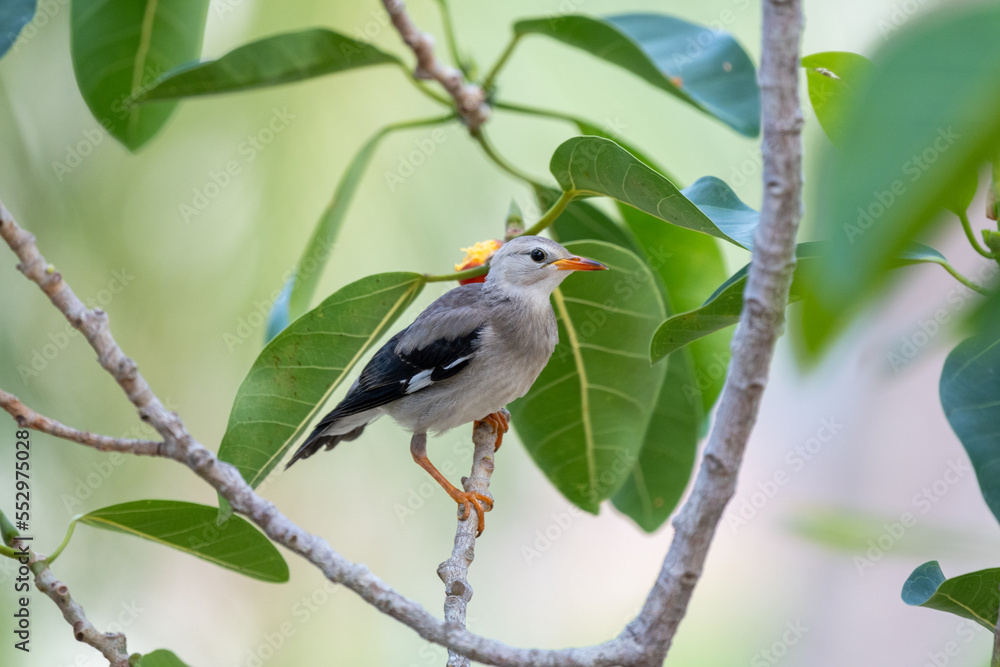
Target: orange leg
500,421
467,499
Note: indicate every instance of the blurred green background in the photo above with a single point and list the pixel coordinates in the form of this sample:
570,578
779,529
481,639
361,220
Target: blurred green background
178,290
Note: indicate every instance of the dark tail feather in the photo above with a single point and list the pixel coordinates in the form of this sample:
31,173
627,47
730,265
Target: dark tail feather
316,441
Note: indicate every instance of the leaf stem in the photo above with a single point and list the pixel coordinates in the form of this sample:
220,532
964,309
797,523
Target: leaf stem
502,162
535,111
967,226
456,275
488,81
8,552
554,211
449,35
62,545
962,279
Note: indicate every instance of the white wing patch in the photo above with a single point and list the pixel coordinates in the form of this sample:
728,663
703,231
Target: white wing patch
421,380
455,363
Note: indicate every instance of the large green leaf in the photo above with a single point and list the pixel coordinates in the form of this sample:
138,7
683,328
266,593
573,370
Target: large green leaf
836,79
722,309
160,658
594,166
585,418
704,67
296,372
270,61
120,47
657,480
237,545
14,15
926,121
975,596
970,395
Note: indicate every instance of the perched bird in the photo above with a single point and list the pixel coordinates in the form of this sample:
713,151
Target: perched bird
472,351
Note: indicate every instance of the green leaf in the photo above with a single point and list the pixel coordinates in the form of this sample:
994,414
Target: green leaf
593,166
296,372
970,396
271,61
585,417
120,47
716,76
836,79
191,528
975,596
723,308
660,475
14,15
160,658
926,121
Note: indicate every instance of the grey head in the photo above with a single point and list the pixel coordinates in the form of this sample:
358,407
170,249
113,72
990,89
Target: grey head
533,266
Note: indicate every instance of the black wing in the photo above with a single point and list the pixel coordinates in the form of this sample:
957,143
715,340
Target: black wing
391,374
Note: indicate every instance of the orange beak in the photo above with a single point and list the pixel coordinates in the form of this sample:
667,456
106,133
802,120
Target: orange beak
578,264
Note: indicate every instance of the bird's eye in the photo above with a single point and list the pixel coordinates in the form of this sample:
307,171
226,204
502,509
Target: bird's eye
538,254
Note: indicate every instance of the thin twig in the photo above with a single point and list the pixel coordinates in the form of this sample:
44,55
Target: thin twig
182,447
112,645
454,572
26,417
764,301
470,100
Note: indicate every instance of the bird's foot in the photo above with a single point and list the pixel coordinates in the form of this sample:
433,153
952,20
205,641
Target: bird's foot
500,421
469,500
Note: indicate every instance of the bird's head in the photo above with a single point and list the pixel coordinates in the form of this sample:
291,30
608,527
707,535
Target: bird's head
534,265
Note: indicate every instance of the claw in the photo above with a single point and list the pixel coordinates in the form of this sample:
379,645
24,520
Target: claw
470,499
500,421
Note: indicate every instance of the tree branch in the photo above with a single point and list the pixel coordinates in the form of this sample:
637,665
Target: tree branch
764,302
110,644
454,572
180,446
26,417
470,99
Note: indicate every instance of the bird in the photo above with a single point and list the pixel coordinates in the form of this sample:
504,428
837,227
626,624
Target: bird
467,355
